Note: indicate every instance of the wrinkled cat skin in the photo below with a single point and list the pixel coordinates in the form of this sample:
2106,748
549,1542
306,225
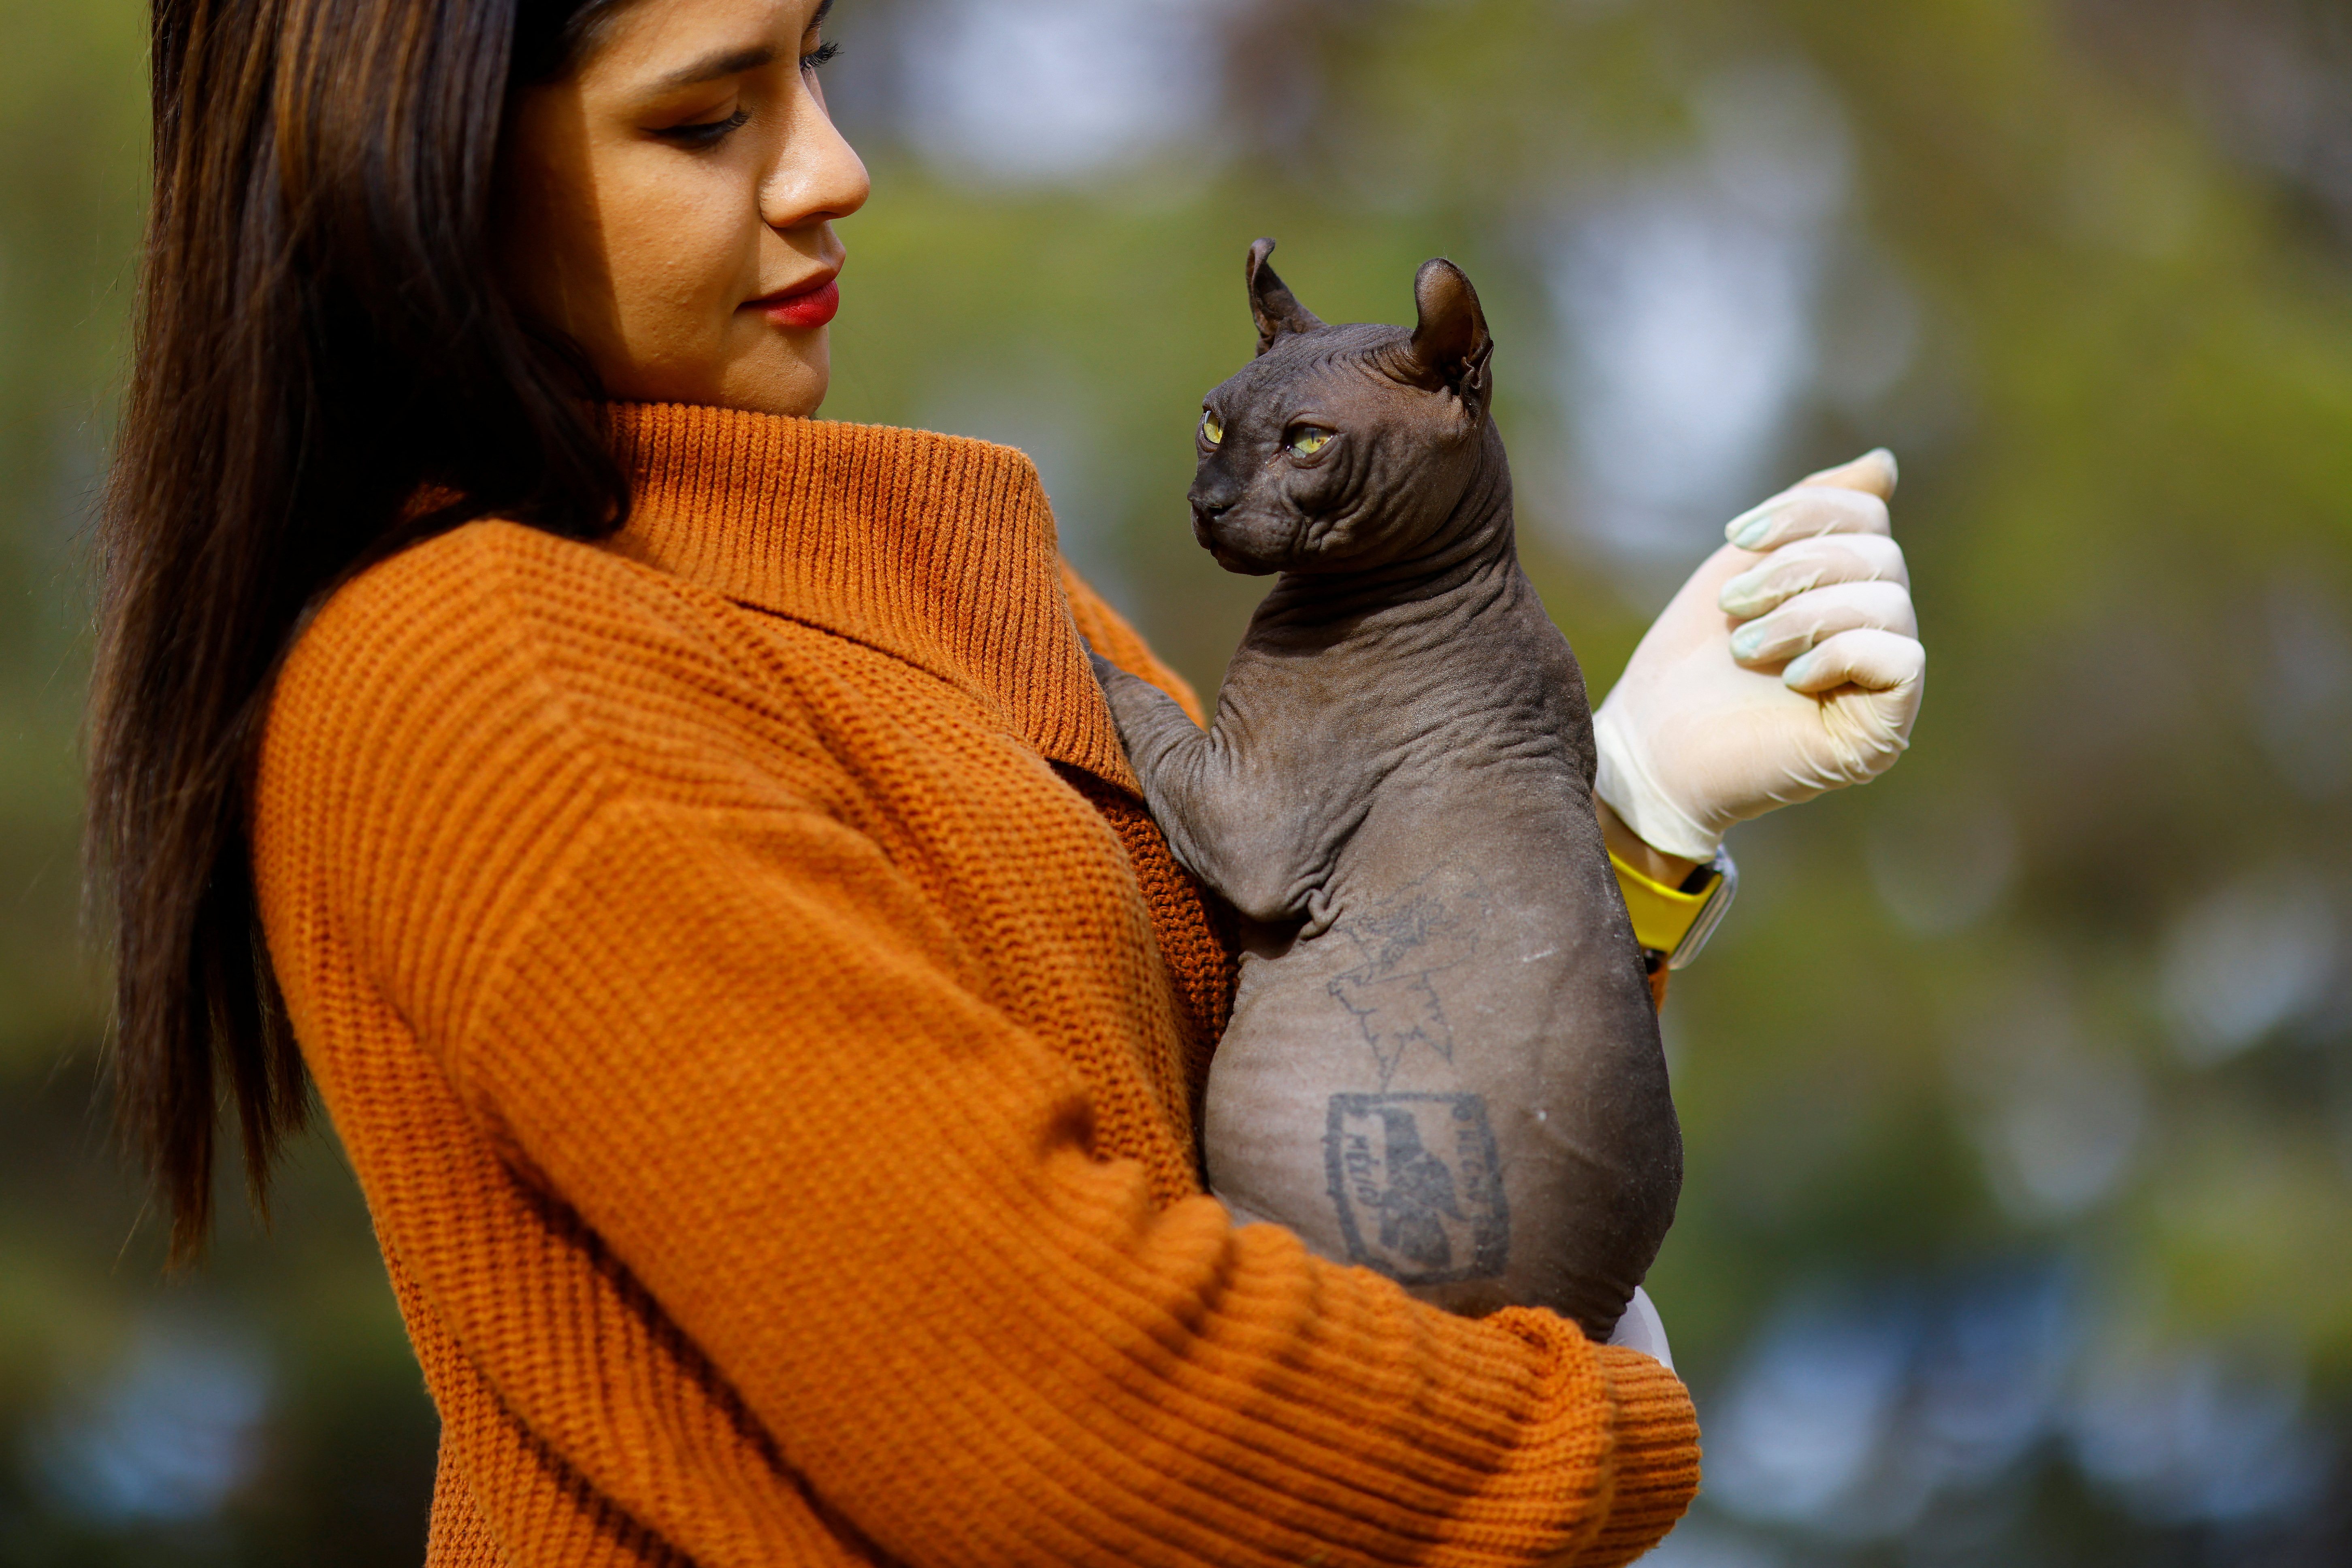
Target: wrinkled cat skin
1444,1060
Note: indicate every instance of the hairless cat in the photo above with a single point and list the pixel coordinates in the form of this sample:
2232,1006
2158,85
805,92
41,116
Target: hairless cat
1443,1059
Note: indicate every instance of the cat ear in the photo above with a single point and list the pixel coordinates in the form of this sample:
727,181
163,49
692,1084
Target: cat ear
1277,310
1450,347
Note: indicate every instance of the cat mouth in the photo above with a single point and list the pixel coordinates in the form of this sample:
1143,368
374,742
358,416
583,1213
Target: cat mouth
1240,566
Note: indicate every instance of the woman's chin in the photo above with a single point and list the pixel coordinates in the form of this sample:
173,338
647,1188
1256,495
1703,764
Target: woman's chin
785,378
792,385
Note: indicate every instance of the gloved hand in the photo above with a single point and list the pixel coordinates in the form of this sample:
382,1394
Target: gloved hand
1788,666
1641,1329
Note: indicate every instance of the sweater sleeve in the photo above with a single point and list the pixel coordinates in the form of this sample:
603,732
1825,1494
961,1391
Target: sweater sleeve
727,1034
868,1199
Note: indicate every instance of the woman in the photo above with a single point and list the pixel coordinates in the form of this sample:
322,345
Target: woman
688,846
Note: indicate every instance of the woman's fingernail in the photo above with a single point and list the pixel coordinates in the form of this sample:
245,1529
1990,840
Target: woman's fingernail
1746,594
1748,528
1749,640
1799,668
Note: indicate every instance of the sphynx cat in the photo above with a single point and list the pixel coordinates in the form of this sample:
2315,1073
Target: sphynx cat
1443,1059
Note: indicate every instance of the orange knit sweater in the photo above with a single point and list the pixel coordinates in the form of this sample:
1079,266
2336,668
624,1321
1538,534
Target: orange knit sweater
768,1031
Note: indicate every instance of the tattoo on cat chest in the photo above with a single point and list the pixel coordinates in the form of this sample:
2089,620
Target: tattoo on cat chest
1408,944
1418,1186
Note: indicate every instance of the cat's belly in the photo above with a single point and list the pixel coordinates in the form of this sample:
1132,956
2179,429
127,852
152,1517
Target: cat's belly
1459,1084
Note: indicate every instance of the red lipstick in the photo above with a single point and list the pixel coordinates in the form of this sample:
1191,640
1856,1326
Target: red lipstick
803,309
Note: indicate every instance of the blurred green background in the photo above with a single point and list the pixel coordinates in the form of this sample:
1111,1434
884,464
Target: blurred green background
2018,1089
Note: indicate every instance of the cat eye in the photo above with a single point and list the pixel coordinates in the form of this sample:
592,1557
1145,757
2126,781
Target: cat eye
1212,429
1308,439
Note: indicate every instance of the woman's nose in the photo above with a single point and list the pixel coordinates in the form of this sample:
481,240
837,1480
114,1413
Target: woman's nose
818,176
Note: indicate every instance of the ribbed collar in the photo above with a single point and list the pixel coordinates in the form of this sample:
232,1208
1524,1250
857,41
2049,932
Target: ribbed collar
937,550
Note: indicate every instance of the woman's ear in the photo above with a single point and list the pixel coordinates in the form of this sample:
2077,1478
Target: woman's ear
1274,307
1451,346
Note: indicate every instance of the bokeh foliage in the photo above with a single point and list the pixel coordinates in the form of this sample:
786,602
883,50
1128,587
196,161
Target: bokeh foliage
2035,1055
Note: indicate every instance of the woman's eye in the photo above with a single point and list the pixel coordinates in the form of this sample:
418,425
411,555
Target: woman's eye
1212,429
707,132
816,57
1307,440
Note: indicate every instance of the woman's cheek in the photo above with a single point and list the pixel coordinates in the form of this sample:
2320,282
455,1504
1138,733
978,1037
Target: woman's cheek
681,271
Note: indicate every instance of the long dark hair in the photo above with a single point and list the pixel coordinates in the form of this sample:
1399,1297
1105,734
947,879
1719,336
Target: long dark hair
326,367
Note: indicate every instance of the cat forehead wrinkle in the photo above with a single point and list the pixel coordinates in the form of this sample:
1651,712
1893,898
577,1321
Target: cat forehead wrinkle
1348,371
1328,346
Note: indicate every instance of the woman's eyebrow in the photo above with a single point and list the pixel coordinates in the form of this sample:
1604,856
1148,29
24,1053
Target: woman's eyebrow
734,62
728,62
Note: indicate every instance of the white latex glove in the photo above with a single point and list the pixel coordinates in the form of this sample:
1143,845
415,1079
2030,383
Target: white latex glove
1641,1329
1789,665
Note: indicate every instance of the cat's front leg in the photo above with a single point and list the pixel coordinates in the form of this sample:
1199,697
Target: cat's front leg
1215,811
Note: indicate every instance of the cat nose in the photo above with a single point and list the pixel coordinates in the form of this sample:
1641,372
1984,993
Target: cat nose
1211,505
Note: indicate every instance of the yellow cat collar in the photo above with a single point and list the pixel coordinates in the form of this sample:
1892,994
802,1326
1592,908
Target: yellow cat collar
1669,921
